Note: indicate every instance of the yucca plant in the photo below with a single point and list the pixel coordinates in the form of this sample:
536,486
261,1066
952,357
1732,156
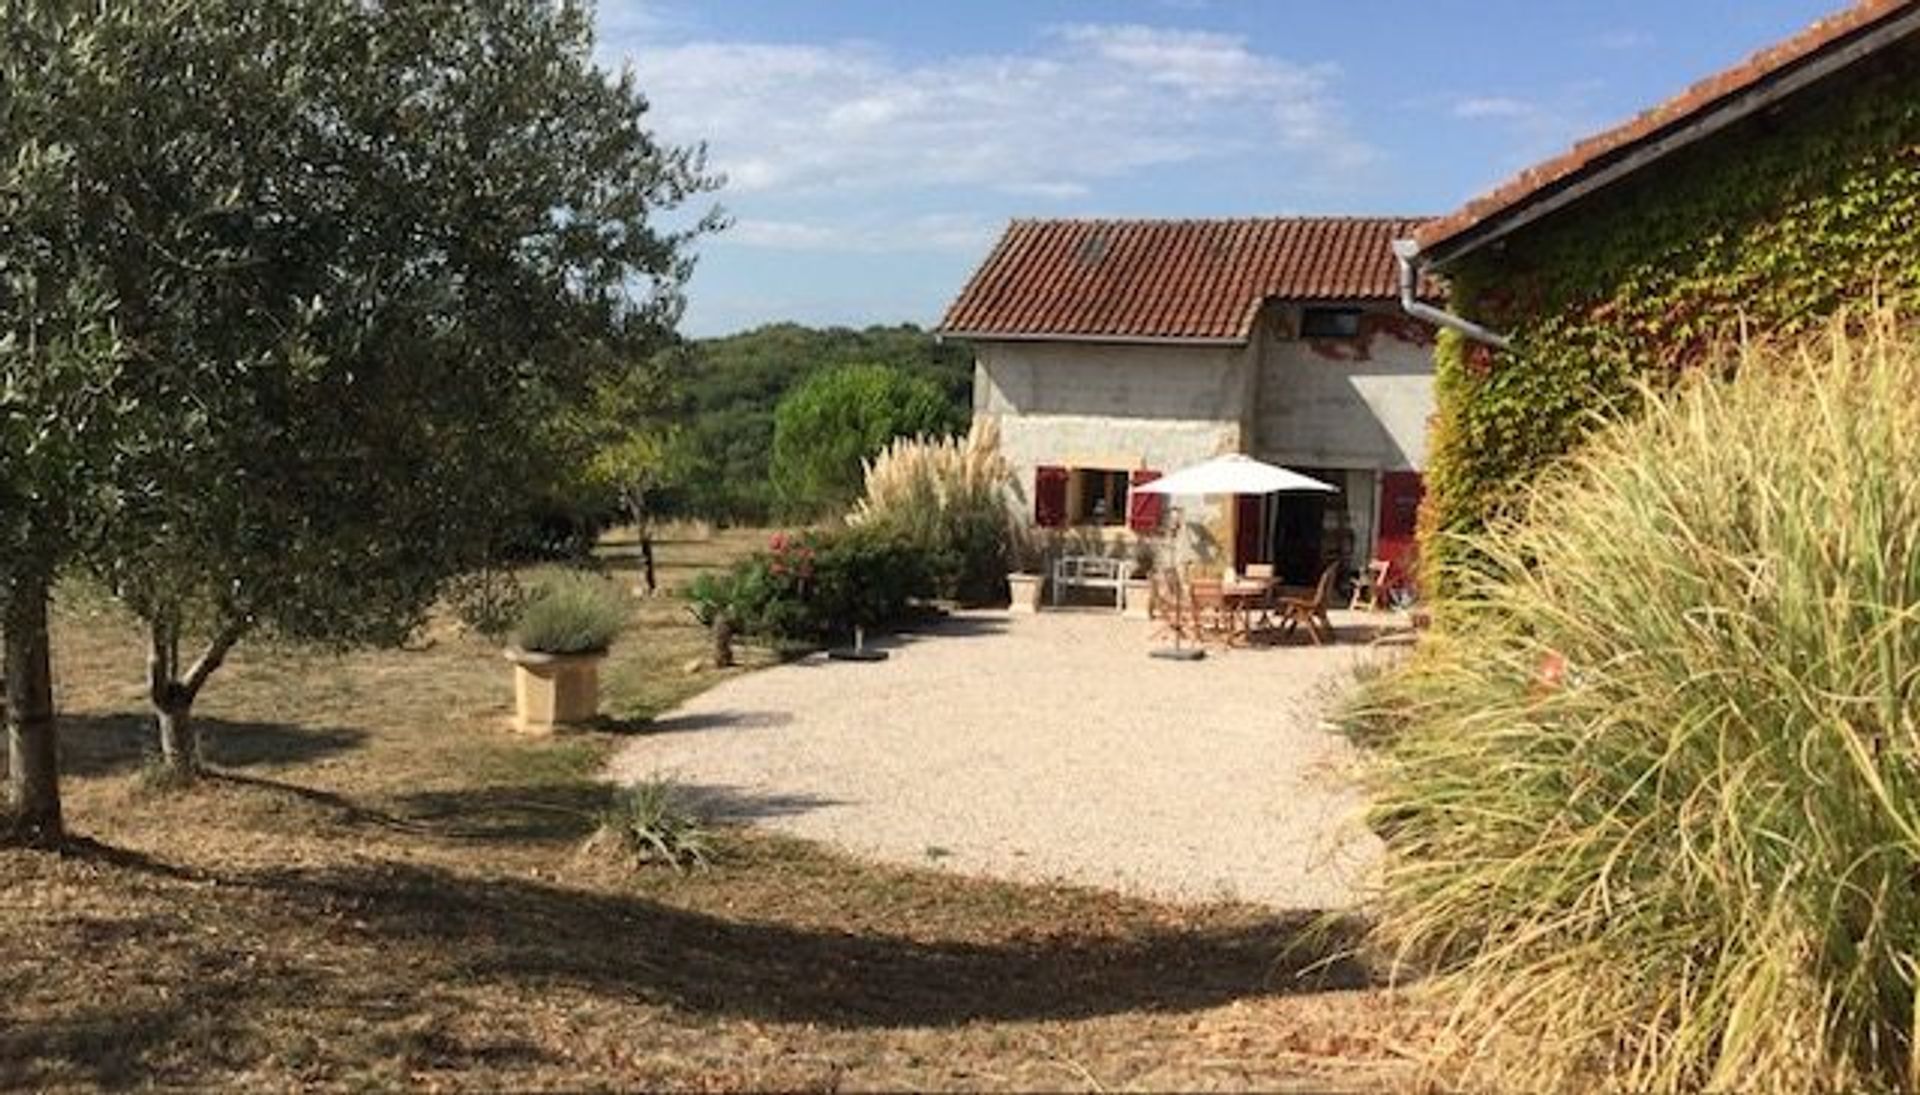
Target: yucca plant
1652,798
654,822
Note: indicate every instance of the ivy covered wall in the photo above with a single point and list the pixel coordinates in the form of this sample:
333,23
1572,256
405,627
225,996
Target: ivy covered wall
1767,226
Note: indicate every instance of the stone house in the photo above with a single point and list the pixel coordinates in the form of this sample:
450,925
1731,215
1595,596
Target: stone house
1756,202
1110,352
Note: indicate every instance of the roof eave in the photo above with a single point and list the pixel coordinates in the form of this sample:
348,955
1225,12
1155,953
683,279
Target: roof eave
1682,132
1120,339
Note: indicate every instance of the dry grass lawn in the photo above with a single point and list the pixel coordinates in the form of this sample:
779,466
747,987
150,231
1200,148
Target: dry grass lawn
383,886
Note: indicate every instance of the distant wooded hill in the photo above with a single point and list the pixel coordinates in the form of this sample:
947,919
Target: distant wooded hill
731,385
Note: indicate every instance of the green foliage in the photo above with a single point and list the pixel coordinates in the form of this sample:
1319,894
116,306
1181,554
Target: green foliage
1766,228
288,289
653,822
570,612
487,602
826,430
812,586
947,497
733,384
1653,805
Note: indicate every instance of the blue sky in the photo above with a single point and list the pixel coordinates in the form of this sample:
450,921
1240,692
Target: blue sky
875,149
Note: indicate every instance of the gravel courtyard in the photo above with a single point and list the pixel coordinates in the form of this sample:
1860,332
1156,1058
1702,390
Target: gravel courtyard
1041,747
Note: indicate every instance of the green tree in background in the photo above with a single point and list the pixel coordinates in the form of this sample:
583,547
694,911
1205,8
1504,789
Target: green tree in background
732,385
350,254
825,431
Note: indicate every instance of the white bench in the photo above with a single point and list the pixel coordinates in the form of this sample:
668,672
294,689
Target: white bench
1090,572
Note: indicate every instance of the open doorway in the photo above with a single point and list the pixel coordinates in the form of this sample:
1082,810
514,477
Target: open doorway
1298,533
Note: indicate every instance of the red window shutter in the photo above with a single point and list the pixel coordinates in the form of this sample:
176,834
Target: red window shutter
1143,508
1050,497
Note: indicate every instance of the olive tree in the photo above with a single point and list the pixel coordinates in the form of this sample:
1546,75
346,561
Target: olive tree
351,249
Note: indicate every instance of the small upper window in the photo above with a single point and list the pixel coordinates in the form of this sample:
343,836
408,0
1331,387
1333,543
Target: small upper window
1330,323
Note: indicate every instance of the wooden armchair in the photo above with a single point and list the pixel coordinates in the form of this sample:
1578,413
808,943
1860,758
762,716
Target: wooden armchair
1213,615
1311,610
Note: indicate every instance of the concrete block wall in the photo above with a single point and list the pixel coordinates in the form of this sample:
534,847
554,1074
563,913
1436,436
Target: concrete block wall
1119,407
1329,403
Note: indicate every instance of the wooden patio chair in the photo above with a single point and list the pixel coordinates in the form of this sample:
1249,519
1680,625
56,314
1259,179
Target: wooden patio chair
1371,588
1311,610
1212,616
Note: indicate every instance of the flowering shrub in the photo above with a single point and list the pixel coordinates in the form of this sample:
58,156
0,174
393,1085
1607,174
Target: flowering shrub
811,586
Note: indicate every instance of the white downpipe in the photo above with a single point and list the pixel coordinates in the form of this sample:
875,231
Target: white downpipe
1406,251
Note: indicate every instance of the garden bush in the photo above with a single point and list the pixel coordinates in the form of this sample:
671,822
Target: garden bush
948,498
1652,798
813,586
570,612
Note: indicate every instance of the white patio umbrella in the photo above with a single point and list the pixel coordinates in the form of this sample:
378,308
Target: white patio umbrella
1234,473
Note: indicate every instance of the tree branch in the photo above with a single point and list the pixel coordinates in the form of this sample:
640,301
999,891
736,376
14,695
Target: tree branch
211,658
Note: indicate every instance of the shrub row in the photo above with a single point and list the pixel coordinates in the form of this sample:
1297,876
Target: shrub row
813,586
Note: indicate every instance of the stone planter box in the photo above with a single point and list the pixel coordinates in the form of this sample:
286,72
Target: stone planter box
1026,592
1139,599
554,690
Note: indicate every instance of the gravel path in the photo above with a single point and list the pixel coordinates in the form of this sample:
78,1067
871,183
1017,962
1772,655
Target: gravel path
1044,747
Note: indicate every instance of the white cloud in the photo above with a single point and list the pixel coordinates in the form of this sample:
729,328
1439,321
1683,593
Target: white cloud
873,234
1089,102
1493,106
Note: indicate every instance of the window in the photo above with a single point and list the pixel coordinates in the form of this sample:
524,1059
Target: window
1330,323
1098,497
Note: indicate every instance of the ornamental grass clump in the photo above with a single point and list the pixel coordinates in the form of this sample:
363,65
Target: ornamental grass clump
570,612
1652,797
948,498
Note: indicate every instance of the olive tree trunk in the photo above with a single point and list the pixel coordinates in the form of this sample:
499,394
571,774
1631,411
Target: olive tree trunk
171,692
33,749
641,515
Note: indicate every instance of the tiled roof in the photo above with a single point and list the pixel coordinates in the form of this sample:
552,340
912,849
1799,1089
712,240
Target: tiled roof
1171,279
1546,177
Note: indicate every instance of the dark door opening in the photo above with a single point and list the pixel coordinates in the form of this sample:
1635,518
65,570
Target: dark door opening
1299,524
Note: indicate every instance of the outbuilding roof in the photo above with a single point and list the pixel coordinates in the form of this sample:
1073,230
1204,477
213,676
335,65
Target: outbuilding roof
1824,47
1177,280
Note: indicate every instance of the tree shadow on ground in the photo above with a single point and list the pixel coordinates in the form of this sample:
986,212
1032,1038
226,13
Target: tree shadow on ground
704,720
565,813
626,946
99,745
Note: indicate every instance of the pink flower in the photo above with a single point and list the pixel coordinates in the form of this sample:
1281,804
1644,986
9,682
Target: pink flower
778,541
1553,669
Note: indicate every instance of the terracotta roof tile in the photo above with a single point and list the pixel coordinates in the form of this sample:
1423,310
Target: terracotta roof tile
1522,188
1172,279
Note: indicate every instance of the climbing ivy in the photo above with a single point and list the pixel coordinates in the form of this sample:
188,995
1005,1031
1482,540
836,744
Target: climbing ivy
1765,228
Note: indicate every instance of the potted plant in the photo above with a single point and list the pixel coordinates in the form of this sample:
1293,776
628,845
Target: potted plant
1026,579
1138,594
570,619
